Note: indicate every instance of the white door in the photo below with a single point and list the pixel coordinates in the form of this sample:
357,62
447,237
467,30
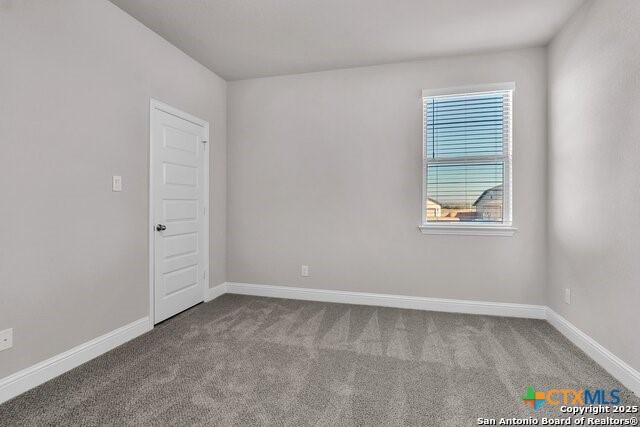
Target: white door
179,188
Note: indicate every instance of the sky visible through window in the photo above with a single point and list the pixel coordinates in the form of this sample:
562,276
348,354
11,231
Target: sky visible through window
464,143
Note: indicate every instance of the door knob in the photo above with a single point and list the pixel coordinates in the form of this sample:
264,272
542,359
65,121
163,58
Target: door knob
161,227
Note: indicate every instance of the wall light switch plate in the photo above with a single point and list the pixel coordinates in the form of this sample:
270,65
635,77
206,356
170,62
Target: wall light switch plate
567,296
304,271
116,183
6,339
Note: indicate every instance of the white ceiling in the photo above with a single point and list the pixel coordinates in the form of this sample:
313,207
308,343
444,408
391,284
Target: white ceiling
240,39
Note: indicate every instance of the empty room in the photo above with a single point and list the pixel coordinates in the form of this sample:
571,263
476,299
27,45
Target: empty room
319,212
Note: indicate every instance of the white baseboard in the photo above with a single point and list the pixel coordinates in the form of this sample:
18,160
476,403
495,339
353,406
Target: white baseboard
603,357
610,362
28,378
386,300
215,292
35,375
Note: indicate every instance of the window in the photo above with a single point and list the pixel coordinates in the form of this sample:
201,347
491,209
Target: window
467,160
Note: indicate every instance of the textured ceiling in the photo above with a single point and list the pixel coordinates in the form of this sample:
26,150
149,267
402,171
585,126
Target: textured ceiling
241,39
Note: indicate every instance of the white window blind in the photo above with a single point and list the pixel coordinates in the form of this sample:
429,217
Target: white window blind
467,157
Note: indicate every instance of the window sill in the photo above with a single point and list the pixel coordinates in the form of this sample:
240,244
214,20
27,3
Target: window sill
468,229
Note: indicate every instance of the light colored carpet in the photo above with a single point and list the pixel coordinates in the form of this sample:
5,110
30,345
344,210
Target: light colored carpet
261,361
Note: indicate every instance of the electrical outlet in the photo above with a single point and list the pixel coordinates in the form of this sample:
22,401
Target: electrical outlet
6,339
304,270
116,183
567,295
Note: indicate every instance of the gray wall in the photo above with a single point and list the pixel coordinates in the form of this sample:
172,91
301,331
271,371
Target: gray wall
75,79
594,184
325,169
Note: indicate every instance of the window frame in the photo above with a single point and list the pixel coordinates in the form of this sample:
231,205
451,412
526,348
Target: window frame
504,228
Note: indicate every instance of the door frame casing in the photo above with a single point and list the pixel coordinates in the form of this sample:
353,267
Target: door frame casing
155,105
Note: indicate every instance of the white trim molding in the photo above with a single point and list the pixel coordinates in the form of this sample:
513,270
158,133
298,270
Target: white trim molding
386,300
154,106
215,292
470,89
618,368
505,90
28,378
468,230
